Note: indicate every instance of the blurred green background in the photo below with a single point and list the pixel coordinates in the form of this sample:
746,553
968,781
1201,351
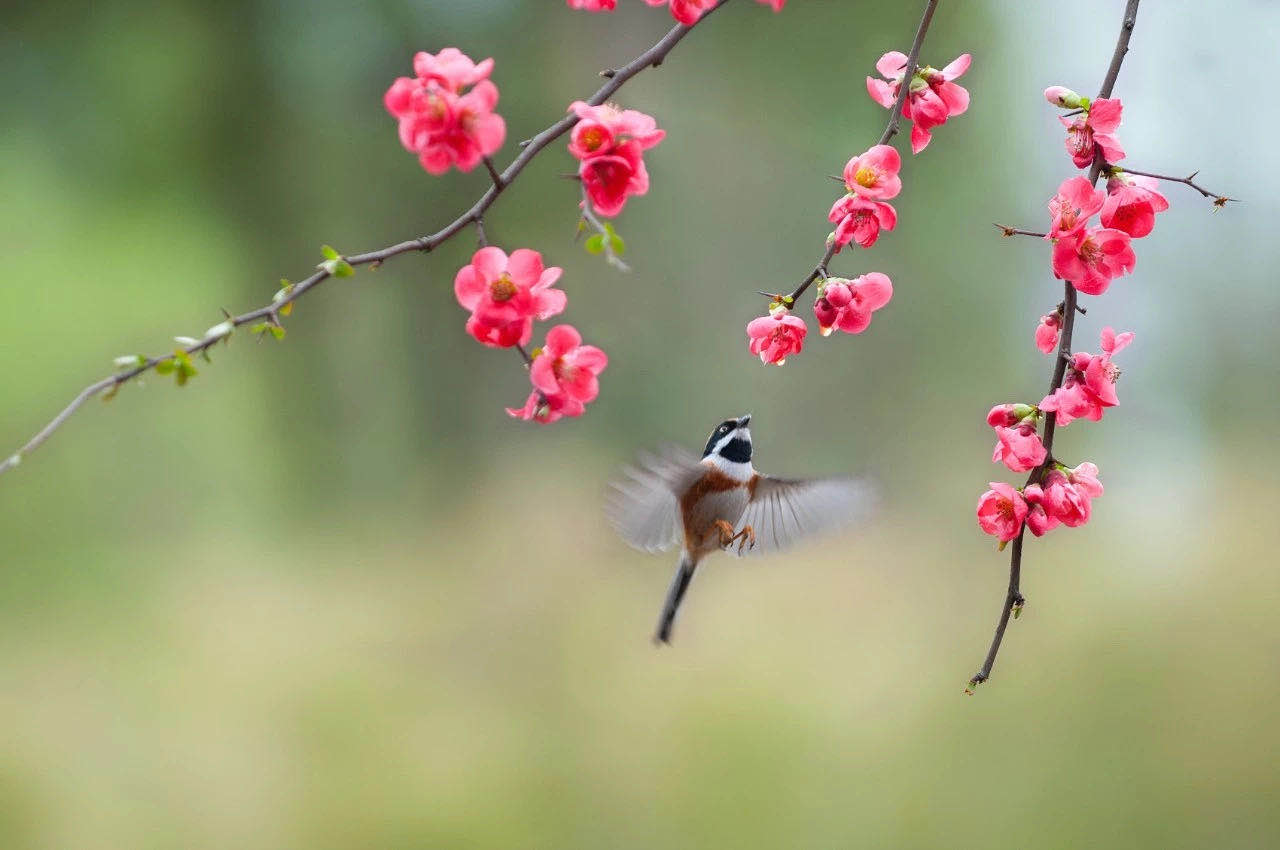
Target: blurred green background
330,595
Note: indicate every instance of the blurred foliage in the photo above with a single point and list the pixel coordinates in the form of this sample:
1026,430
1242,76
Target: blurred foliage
329,595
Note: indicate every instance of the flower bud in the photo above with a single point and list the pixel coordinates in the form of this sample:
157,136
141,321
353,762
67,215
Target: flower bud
1063,97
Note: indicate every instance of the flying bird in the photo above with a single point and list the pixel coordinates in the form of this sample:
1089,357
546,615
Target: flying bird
720,502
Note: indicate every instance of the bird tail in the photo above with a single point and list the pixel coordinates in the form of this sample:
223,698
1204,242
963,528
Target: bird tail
679,584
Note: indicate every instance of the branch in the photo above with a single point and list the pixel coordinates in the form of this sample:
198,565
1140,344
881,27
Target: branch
1218,200
890,130
1014,600
651,58
1014,231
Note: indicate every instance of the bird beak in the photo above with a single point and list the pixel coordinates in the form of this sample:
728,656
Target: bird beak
744,421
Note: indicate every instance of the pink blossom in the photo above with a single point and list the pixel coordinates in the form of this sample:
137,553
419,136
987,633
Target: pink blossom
450,68
1039,520
612,178
594,5
1088,387
544,409
1094,129
689,11
1072,207
776,336
1047,332
439,123
859,220
847,305
1019,448
686,12
1067,503
601,129
505,294
1001,511
933,96
1091,258
874,175
566,369
1132,203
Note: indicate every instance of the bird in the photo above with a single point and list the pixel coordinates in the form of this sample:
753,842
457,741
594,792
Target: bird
720,502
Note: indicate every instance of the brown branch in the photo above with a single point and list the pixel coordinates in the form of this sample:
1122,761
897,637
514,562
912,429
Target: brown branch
1013,597
1218,200
651,58
890,130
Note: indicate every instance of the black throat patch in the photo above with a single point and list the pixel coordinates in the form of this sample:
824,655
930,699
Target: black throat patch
737,450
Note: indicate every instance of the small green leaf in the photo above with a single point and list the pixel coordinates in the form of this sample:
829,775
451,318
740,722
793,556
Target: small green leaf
165,366
617,245
329,252
594,244
277,331
260,328
342,268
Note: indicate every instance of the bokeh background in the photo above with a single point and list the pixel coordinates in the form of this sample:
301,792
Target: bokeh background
330,595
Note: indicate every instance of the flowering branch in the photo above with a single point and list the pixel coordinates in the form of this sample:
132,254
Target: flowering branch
890,130
266,319
1082,384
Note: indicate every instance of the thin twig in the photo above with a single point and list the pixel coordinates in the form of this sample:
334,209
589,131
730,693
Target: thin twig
606,236
890,130
1013,597
1015,231
1218,200
652,57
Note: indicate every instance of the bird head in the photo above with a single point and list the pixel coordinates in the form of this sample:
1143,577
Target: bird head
729,446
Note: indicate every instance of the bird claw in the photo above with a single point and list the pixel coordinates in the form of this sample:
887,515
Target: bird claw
747,537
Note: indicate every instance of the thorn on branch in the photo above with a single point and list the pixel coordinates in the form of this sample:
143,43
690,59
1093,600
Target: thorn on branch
609,73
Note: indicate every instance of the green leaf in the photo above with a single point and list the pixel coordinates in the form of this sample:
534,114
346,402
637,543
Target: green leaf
277,331
165,366
594,244
329,252
286,309
617,245
341,268
260,328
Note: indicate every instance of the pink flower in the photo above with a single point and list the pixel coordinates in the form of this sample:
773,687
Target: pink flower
1132,203
1067,503
1089,384
612,178
874,175
1019,448
1063,97
1074,204
848,304
1039,520
566,369
686,12
1001,511
505,294
594,5
601,129
776,336
932,97
859,220
540,408
1094,129
439,123
1091,258
1047,332
689,11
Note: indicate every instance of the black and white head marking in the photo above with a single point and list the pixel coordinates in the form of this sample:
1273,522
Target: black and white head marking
729,448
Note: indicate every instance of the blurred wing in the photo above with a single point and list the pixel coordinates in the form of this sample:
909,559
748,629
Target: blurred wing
782,512
643,504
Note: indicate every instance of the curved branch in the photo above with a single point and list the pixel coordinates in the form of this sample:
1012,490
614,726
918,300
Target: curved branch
615,79
1218,200
890,130
1014,600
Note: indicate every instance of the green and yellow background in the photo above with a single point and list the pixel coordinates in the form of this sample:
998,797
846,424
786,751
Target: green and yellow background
330,595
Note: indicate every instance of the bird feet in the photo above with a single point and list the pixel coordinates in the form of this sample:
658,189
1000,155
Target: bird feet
745,538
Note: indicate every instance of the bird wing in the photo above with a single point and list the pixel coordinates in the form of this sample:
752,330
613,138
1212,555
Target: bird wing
643,505
782,511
